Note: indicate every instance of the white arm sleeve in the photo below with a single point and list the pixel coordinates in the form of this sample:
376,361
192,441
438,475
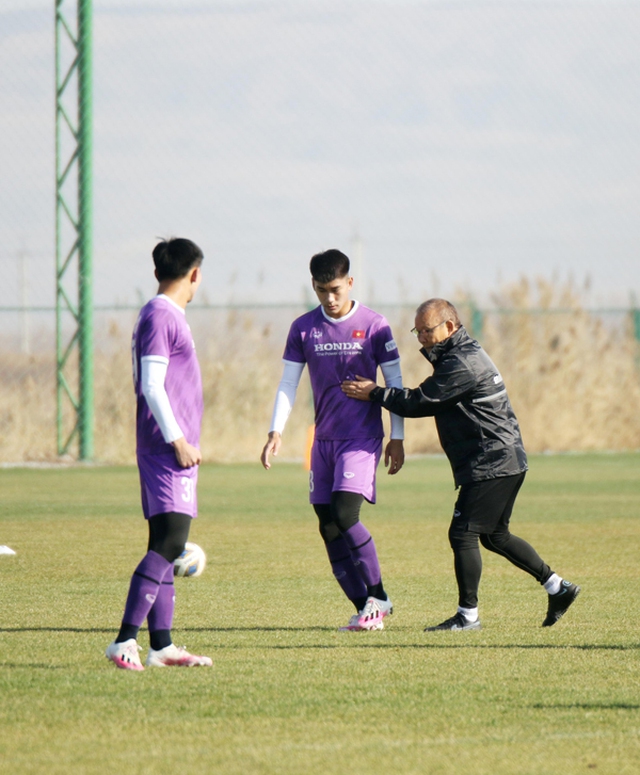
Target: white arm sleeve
153,373
286,394
393,378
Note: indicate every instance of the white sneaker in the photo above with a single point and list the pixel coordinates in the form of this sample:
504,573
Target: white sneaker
371,616
125,654
6,550
175,656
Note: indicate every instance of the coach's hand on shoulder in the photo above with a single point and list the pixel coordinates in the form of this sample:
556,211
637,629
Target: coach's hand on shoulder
394,455
272,446
186,454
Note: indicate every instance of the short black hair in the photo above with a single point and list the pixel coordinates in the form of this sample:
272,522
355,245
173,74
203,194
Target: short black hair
442,308
175,257
328,265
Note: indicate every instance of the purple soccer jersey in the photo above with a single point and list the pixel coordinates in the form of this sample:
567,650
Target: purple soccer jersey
162,330
335,350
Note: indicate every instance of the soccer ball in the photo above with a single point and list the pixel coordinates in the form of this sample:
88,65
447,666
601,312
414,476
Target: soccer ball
191,562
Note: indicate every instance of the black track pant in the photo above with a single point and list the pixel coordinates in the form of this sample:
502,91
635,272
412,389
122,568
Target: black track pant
483,511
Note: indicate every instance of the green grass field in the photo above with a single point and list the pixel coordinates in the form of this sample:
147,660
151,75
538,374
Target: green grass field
290,694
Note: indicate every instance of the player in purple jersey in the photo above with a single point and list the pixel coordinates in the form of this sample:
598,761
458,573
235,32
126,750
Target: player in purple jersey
168,387
341,337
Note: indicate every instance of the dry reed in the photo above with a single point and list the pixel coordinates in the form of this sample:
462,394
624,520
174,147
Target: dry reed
572,376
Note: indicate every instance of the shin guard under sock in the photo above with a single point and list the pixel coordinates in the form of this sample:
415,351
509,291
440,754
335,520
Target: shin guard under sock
143,589
160,616
363,553
345,571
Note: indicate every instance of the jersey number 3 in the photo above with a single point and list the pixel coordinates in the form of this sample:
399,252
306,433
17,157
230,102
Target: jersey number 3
187,484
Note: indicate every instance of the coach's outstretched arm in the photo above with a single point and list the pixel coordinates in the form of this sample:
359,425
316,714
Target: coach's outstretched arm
434,395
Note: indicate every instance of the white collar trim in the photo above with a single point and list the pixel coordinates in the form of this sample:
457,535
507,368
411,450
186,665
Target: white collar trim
171,301
349,314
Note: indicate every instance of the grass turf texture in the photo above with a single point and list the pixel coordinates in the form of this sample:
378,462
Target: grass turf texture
290,694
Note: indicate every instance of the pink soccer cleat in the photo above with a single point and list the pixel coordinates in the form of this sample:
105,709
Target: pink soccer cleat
175,656
125,655
371,616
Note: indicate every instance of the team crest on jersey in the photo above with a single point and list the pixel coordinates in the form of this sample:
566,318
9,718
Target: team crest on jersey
358,333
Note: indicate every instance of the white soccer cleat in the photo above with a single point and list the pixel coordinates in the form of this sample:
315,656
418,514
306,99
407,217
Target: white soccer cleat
125,655
371,616
175,656
354,625
6,550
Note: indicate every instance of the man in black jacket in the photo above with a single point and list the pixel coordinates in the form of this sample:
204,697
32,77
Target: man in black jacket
480,435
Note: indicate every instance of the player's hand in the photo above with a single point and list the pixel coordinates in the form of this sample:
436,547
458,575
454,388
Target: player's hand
186,454
394,455
359,388
271,447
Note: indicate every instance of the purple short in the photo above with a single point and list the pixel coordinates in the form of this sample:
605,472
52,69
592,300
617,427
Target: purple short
166,487
349,466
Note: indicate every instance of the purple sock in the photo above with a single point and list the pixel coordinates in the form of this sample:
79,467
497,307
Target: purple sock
363,553
345,571
143,590
160,616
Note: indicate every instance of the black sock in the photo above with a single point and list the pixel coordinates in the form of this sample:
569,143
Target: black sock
160,639
377,591
127,631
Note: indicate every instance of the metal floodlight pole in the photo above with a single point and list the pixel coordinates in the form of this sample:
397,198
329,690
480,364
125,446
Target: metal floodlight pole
74,216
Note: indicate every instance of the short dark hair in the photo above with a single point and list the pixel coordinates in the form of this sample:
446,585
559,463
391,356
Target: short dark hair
175,257
328,265
442,308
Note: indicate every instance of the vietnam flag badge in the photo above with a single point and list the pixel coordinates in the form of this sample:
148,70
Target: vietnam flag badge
357,334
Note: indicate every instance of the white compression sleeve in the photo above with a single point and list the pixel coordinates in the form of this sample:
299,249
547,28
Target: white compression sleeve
153,372
393,378
286,394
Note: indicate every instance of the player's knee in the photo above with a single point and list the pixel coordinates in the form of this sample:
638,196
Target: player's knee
495,541
345,509
170,549
461,538
455,536
328,528
329,532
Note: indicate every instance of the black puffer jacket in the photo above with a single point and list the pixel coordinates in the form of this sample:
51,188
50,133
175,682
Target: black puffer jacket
477,427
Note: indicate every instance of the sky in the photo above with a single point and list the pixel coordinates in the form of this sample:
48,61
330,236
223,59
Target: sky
447,147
